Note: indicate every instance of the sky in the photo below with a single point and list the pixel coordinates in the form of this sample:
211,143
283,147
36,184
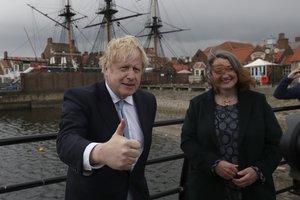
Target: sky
24,32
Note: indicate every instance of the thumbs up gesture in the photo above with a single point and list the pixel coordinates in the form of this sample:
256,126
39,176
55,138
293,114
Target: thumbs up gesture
119,152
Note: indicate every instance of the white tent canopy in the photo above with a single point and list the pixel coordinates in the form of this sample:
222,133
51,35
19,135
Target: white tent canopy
184,71
259,62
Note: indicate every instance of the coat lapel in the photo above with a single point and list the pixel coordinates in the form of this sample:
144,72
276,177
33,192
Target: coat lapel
106,107
244,107
209,112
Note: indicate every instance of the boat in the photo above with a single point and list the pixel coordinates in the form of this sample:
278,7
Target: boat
65,56
68,55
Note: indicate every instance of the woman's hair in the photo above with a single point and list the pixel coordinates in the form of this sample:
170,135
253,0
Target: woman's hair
121,49
244,78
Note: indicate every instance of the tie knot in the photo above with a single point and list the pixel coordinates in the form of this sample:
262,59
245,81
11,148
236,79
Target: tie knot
121,104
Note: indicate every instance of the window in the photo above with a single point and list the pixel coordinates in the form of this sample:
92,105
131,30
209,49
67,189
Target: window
16,67
26,66
202,72
286,70
6,71
262,71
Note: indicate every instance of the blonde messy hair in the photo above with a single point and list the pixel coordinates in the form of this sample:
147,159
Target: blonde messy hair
121,49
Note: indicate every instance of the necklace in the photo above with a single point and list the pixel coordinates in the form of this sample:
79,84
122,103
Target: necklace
227,101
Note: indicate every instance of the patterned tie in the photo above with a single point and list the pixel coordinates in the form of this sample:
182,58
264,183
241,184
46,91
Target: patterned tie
120,105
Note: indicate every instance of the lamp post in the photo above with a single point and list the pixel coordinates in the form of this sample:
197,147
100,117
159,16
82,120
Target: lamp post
270,44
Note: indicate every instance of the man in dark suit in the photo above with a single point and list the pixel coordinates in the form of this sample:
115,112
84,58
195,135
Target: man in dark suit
106,146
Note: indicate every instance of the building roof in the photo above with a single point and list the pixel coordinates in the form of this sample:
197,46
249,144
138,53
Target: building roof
243,53
199,65
279,56
228,46
179,67
287,61
296,56
240,50
4,64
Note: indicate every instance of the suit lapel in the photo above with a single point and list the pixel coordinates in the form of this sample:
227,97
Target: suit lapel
106,108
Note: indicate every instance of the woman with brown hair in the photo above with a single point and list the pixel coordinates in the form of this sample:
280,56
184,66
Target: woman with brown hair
230,136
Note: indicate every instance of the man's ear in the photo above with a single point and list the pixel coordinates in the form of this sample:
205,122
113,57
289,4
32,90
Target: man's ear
105,69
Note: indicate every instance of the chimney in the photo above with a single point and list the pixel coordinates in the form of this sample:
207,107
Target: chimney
282,42
281,36
49,41
174,60
5,55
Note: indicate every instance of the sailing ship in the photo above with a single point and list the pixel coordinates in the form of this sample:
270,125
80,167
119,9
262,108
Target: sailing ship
67,55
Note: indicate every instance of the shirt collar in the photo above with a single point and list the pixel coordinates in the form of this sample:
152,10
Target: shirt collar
115,98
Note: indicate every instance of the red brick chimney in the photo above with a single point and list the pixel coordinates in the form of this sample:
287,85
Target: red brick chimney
282,42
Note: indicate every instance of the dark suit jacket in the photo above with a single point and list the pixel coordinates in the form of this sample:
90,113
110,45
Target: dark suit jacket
89,115
259,135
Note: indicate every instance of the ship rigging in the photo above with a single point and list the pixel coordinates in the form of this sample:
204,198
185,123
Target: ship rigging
106,30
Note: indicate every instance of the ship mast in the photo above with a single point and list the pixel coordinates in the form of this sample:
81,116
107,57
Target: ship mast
68,14
108,13
69,19
155,24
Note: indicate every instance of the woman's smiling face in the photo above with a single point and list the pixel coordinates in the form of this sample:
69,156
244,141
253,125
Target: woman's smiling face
223,74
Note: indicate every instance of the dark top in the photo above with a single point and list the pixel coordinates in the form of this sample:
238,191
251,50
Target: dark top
226,123
258,140
89,115
283,92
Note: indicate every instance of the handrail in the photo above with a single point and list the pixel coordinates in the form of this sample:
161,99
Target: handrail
53,180
52,136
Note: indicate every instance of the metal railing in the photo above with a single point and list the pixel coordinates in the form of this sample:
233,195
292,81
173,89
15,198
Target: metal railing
178,190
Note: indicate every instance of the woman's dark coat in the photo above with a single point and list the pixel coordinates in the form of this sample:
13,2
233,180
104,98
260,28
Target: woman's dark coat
259,136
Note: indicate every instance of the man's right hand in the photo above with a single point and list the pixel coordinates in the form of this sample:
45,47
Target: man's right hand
118,153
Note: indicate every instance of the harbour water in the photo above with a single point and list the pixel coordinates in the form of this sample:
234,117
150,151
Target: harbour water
38,160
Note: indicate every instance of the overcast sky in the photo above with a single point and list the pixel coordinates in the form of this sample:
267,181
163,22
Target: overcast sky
211,22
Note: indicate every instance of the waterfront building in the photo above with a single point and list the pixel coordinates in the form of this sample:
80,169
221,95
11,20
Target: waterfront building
12,66
58,54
